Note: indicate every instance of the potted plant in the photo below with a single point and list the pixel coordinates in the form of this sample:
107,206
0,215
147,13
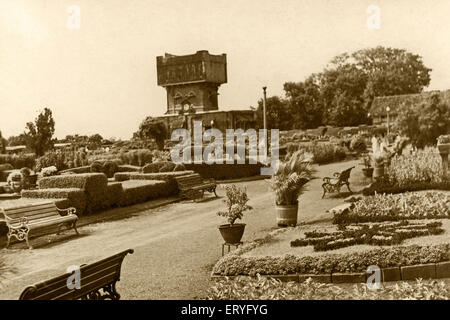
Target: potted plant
236,205
289,183
368,169
444,144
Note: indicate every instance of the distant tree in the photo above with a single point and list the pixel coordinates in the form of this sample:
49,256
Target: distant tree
152,128
351,81
277,113
39,134
422,124
20,140
95,141
304,103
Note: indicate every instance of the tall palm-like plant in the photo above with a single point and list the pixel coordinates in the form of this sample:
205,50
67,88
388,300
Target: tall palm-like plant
290,179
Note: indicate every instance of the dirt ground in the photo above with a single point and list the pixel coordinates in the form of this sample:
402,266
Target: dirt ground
175,245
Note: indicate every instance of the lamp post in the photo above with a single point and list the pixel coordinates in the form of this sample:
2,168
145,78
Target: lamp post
264,108
387,110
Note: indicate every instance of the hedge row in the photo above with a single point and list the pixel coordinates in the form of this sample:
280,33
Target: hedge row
382,187
19,161
135,191
129,168
233,264
78,170
76,197
225,171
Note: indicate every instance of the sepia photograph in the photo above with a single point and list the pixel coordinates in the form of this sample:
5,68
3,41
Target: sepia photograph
227,156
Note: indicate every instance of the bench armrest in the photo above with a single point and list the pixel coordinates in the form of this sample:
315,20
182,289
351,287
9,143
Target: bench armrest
68,211
23,222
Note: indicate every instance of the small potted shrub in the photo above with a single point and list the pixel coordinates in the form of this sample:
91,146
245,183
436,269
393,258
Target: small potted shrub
236,206
289,183
29,178
368,169
444,144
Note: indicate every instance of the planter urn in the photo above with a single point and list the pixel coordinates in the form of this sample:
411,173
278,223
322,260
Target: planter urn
368,172
287,215
232,233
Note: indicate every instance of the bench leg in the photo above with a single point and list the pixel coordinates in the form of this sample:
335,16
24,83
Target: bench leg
214,190
28,242
9,239
348,187
74,225
324,191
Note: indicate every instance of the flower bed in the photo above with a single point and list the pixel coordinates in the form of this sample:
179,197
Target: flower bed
235,264
374,234
261,288
427,205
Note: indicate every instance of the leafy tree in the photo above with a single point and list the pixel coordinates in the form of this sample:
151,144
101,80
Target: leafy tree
277,113
351,81
39,134
424,123
95,141
305,104
153,128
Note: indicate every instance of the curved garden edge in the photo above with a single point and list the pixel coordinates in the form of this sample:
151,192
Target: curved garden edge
438,270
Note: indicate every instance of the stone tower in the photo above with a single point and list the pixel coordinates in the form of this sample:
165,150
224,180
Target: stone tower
191,81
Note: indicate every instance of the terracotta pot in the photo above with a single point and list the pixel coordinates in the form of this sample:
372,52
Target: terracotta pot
287,215
378,172
368,172
232,233
444,148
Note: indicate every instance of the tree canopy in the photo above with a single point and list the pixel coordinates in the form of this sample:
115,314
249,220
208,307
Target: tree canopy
39,134
152,128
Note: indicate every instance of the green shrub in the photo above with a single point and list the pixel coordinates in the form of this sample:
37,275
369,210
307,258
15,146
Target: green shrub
135,191
418,167
383,257
52,158
96,166
380,207
109,168
18,161
122,176
85,169
169,177
160,166
358,144
76,197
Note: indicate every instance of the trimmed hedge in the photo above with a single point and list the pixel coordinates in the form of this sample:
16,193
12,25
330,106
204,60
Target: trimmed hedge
225,171
160,166
114,193
233,264
135,191
94,185
76,197
19,161
84,169
6,166
169,177
129,168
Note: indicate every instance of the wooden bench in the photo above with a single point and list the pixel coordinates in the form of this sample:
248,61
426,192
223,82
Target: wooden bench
42,217
97,282
192,186
334,184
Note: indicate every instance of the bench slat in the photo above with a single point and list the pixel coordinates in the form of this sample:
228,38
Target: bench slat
30,207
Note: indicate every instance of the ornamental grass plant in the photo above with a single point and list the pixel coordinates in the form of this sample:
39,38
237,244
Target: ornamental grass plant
291,177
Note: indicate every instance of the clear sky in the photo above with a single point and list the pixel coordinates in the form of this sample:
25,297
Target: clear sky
101,78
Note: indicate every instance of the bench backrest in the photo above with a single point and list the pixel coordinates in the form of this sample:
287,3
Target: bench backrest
190,180
345,175
31,212
93,277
